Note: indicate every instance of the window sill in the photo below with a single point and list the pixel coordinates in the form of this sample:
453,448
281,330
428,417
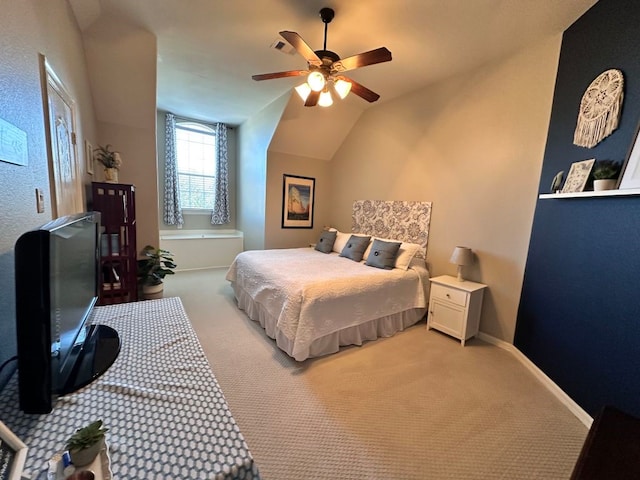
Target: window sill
196,211
604,193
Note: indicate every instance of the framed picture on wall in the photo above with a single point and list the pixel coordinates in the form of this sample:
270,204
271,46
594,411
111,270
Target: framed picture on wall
297,201
578,176
12,454
631,170
88,157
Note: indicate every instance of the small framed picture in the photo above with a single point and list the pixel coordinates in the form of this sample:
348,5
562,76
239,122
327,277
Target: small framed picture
88,156
630,176
297,201
578,176
13,453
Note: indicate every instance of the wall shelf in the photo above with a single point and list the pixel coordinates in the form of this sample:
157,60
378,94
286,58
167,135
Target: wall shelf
604,193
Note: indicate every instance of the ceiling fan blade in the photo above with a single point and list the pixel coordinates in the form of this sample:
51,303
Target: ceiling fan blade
312,99
290,73
360,90
302,47
371,57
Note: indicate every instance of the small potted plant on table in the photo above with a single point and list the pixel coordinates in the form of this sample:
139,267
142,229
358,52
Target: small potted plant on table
605,175
85,444
152,270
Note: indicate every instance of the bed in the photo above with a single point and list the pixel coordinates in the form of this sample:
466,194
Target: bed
313,302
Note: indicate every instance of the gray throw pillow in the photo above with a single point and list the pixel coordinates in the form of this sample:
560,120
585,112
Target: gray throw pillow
355,247
383,254
325,242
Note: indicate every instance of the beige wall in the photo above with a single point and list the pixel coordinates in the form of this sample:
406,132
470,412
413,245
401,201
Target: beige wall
253,140
277,165
473,145
122,70
29,28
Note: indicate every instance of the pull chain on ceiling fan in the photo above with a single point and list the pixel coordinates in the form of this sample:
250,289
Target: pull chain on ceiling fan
325,68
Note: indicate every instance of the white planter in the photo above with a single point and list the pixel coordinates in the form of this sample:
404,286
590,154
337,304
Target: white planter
599,185
150,292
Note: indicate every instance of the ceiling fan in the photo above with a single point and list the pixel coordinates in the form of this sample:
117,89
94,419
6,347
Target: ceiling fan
325,69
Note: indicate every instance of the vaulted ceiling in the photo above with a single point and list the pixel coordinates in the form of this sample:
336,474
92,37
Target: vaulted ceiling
208,50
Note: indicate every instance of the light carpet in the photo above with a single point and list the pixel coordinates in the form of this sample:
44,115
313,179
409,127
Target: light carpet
417,405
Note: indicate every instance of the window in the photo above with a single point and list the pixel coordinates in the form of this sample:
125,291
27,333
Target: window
196,161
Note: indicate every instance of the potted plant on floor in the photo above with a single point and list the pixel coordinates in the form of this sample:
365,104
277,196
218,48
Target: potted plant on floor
152,270
85,444
605,175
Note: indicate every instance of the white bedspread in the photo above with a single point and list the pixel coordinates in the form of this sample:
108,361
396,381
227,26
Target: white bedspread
313,294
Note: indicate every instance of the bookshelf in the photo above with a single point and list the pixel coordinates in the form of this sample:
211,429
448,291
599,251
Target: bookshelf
118,250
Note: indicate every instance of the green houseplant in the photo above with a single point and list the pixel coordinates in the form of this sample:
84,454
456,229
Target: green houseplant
110,160
605,174
152,269
85,444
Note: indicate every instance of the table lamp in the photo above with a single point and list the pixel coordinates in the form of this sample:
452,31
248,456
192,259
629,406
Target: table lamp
461,256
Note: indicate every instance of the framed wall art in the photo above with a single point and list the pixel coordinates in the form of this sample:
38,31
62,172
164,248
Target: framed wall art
297,201
13,453
630,176
88,156
578,176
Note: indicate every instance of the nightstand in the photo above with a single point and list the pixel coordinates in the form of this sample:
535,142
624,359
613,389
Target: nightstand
454,307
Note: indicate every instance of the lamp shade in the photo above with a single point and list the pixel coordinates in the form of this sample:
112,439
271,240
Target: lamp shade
316,81
303,90
325,99
461,256
342,88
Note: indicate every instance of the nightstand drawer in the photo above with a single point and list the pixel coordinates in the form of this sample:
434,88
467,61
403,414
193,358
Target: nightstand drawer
449,294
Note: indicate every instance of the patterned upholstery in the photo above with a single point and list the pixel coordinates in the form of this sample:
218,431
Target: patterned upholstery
166,414
395,220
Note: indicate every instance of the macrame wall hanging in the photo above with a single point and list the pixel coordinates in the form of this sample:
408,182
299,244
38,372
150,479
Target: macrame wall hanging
600,109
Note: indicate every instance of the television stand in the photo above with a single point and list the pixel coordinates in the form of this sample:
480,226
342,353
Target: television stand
101,348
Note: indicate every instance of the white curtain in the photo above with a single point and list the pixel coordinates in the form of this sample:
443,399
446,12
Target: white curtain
220,214
172,210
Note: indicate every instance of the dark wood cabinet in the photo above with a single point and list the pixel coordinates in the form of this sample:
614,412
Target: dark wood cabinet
116,203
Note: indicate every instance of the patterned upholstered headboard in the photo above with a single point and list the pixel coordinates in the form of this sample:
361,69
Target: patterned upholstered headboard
398,220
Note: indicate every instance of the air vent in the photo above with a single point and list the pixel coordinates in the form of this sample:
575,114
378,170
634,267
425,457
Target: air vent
283,47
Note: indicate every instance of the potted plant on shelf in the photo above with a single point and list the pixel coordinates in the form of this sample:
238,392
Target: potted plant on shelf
152,270
605,175
85,444
110,160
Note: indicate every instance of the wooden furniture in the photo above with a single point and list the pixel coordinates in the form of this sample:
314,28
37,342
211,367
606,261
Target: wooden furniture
454,307
611,449
118,255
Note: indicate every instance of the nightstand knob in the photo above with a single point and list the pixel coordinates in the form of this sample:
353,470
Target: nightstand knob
448,296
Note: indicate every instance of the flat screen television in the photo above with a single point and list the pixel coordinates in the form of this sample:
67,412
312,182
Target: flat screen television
57,278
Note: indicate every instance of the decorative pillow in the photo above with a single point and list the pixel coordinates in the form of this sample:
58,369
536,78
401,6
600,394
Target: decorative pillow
383,254
341,241
326,241
355,247
406,253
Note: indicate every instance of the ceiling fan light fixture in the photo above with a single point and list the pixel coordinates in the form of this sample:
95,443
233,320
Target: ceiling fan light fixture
325,99
303,90
316,81
342,88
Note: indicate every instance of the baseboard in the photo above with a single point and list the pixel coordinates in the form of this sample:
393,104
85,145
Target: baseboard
583,416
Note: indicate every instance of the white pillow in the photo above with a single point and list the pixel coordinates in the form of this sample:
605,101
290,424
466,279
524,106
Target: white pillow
341,241
405,254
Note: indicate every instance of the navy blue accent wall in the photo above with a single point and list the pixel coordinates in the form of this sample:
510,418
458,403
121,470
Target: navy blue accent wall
579,314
